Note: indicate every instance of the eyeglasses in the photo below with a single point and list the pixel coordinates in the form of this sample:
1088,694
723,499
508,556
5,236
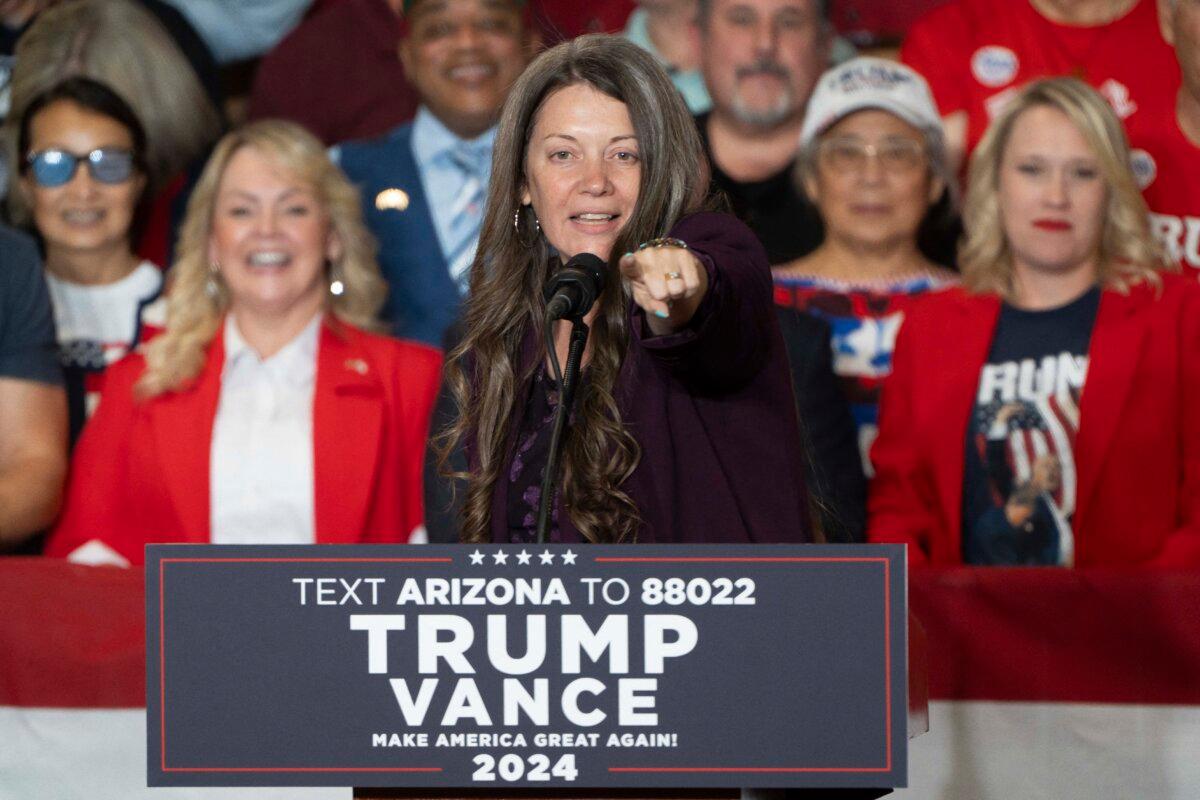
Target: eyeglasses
850,155
56,167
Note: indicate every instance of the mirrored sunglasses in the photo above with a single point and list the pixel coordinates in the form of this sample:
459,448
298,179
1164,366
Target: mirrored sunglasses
55,167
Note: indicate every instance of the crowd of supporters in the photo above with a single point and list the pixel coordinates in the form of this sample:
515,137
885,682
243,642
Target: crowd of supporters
226,322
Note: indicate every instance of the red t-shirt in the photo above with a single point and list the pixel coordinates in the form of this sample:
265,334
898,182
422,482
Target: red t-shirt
976,54
1170,177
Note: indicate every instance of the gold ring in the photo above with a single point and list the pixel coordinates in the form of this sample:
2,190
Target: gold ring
673,276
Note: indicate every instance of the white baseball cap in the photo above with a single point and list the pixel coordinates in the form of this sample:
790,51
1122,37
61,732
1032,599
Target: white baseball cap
868,82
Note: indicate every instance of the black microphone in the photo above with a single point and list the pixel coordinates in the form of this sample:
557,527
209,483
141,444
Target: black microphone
572,290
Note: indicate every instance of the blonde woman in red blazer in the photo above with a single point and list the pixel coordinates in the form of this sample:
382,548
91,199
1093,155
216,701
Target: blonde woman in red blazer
274,285
1081,458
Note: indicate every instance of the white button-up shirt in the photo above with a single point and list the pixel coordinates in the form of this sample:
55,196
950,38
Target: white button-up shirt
261,470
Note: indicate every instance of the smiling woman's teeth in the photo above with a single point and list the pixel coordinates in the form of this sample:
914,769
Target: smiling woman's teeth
269,259
595,217
471,72
81,217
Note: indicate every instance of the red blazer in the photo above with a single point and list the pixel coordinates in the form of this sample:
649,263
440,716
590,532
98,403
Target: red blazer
140,472
1137,450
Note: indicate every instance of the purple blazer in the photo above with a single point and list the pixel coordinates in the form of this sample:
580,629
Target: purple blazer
712,408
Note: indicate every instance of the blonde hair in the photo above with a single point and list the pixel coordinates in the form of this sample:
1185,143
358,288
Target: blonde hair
194,309
123,46
1128,253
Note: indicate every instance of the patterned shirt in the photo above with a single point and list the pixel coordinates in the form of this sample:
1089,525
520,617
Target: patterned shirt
865,318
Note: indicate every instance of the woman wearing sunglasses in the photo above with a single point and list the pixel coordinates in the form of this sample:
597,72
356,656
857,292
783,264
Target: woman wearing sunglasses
124,46
83,180
263,413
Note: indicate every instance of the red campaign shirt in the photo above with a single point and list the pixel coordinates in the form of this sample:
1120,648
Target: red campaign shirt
976,54
1171,185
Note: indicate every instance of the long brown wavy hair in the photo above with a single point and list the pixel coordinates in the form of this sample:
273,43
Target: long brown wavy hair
489,367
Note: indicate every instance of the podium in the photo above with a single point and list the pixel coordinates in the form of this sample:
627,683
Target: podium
72,653
599,794
644,671
918,723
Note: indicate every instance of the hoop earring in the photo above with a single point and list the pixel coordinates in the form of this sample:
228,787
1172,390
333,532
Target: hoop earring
537,228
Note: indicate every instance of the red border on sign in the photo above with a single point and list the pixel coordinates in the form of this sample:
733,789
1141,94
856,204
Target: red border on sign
887,655
887,605
162,662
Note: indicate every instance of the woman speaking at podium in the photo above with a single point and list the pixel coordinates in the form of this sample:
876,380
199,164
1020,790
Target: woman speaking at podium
684,427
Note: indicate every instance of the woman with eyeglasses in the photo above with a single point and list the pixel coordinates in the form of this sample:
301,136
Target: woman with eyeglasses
266,411
124,46
873,164
1046,412
83,179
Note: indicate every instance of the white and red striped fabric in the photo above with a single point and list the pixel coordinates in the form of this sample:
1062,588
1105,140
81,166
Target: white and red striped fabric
73,688
1058,684
1043,683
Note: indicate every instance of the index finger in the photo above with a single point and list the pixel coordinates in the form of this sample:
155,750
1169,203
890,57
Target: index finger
631,266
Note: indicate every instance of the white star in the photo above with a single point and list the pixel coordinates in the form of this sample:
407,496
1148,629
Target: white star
500,556
547,557
523,557
477,557
568,557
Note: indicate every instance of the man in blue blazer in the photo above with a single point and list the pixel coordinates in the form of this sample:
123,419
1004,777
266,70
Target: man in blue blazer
423,184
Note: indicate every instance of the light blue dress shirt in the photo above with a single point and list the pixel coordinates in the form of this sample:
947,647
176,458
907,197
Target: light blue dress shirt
689,83
433,144
235,30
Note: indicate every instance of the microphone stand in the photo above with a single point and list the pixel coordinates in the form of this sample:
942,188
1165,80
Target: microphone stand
566,397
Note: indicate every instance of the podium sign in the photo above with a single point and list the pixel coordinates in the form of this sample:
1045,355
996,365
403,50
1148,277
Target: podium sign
503,666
